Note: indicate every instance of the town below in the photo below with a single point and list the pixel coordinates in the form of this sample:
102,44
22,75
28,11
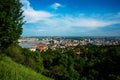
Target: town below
65,43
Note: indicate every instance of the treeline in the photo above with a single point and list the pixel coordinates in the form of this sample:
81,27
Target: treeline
93,62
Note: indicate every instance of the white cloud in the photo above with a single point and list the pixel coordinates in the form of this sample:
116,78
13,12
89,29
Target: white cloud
26,4
69,22
56,6
33,16
117,15
44,21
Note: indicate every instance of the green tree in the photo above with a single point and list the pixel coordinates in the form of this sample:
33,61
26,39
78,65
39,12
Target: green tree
11,21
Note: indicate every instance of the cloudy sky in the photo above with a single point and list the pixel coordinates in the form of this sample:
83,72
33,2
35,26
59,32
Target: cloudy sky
71,17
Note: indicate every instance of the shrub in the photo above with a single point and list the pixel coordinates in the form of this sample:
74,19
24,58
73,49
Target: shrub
15,52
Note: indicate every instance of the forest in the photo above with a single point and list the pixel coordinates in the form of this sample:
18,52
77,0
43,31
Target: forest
94,62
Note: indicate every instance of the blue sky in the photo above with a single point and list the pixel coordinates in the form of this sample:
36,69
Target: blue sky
71,17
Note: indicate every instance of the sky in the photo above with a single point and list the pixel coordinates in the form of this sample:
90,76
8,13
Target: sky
71,17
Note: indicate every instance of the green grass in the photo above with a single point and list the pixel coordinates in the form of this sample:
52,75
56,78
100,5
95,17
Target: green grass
10,70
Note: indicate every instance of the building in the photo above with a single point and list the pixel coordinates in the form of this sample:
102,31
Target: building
41,47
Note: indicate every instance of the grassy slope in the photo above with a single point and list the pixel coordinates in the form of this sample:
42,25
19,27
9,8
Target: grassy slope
9,70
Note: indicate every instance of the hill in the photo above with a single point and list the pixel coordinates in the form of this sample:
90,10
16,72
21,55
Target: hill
10,70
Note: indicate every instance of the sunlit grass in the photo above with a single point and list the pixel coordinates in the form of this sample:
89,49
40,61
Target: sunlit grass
9,70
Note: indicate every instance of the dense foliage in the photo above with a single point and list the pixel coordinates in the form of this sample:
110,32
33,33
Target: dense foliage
9,70
94,63
11,21
26,57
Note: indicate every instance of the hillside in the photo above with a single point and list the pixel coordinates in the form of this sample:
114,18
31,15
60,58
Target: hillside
10,70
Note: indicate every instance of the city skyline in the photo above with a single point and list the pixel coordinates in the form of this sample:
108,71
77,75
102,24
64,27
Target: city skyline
71,17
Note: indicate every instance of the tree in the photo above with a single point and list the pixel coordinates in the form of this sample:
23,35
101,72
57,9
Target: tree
11,21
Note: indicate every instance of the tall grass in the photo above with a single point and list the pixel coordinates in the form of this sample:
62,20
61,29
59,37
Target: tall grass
9,70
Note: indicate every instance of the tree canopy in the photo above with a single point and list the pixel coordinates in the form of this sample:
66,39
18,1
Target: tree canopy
11,21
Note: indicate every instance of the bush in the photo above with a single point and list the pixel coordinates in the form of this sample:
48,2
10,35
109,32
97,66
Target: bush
15,52
33,60
9,70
